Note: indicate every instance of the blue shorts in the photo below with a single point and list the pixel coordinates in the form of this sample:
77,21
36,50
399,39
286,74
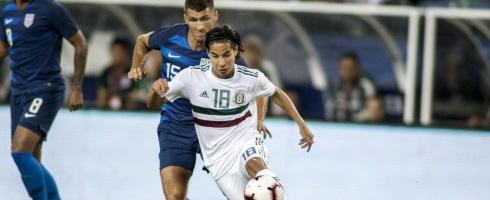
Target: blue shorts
35,111
178,145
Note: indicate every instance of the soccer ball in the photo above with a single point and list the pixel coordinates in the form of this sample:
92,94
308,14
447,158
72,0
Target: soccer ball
264,188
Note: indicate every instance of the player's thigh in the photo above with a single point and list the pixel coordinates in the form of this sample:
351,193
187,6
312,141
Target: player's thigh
24,140
253,157
178,145
233,183
17,108
39,110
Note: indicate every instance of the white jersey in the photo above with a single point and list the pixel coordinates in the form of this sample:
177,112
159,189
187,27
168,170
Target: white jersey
223,110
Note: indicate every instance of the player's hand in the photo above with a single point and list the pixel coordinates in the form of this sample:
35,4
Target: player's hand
263,129
75,100
136,73
307,137
160,86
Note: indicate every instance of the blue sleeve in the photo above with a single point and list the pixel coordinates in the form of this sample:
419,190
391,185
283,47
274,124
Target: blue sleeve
62,21
241,62
158,38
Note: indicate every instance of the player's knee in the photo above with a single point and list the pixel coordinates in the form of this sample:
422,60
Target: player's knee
176,195
19,146
254,165
24,141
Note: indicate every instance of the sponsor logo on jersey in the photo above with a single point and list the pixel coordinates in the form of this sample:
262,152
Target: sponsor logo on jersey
204,94
29,20
239,97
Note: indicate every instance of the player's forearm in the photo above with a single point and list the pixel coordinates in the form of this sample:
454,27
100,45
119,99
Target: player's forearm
153,100
261,108
80,64
81,51
283,100
140,50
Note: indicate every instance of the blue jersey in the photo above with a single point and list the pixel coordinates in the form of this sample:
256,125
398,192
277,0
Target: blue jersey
176,56
34,36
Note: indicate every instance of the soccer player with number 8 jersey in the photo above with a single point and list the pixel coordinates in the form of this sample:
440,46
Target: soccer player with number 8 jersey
31,34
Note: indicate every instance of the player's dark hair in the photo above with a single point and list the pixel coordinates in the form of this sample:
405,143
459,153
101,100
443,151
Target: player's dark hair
350,55
198,5
224,34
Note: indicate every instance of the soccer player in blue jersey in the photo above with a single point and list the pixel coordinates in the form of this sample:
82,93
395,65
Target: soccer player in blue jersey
31,33
181,46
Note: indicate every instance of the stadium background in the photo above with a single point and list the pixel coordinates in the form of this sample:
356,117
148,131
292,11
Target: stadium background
406,50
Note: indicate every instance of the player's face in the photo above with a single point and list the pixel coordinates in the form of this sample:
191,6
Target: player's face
200,22
222,56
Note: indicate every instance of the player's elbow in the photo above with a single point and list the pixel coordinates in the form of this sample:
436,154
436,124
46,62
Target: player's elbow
79,42
82,47
142,41
149,103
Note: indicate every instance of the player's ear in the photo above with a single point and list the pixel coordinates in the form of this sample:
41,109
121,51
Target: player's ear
216,15
235,51
185,17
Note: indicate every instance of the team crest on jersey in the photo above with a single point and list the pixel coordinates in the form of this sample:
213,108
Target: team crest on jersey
29,20
239,97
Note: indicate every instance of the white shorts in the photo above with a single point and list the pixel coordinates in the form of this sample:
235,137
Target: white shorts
233,183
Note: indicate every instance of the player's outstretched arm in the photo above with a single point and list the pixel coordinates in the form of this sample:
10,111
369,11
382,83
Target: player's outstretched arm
141,48
261,112
283,100
156,95
75,99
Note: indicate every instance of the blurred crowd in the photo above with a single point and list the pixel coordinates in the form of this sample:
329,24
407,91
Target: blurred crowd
359,89
353,97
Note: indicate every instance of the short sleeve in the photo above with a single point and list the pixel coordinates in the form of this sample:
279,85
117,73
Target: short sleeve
264,87
62,21
158,37
177,87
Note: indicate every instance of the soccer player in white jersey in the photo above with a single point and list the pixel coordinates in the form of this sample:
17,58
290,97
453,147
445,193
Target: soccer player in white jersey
221,93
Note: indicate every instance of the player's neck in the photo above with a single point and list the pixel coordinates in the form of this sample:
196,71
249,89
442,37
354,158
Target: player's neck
227,76
194,44
21,4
